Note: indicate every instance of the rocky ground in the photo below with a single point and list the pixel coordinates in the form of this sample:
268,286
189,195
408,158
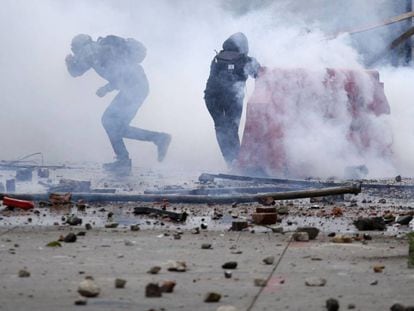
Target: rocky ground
49,253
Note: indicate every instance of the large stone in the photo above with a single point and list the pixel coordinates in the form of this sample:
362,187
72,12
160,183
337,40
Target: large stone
312,231
153,290
332,304
88,287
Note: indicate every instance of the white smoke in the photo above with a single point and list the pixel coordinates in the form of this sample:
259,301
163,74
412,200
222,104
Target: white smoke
45,109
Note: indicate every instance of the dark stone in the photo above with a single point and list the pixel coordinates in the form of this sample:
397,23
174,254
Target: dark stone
397,307
312,231
212,297
238,225
88,226
370,224
153,290
120,283
70,238
74,220
332,234
206,246
332,304
398,178
230,265
404,220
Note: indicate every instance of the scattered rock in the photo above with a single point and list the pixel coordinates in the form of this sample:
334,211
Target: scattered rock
231,265
331,234
260,282
154,270
81,233
195,230
301,236
373,283
177,266
206,246
370,224
228,274
351,306
54,244
404,220
135,227
23,273
74,220
168,286
398,178
269,260
378,268
315,281
238,225
397,307
153,290
264,218
88,226
111,225
282,210
81,302
88,287
70,238
337,212
312,231
212,297
332,304
120,283
203,226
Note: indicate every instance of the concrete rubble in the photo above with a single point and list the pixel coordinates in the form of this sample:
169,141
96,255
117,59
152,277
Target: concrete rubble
217,258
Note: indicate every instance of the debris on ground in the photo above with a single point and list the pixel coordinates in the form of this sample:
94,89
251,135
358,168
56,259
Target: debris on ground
260,282
177,266
17,203
60,199
24,273
88,287
332,304
230,265
370,224
167,286
154,270
311,231
120,283
153,290
315,281
212,297
269,260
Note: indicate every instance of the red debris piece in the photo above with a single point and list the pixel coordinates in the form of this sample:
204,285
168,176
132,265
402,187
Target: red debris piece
16,203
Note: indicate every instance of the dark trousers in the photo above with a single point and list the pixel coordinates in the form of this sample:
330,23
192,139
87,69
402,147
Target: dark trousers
118,116
226,109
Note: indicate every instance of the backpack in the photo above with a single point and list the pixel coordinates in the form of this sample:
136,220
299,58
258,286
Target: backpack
231,64
128,50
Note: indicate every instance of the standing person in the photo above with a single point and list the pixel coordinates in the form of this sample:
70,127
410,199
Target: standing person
224,92
117,60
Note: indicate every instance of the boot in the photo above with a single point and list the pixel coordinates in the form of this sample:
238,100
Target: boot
162,144
119,167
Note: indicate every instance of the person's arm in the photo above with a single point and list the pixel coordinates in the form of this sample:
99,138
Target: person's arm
102,91
252,67
76,66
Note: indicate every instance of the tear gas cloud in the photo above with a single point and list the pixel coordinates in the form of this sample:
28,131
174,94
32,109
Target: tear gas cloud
45,109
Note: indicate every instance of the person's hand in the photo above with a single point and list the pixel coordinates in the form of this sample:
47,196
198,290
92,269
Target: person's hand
101,92
69,58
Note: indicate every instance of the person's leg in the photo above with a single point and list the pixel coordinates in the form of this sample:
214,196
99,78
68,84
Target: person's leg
161,140
215,105
115,120
233,113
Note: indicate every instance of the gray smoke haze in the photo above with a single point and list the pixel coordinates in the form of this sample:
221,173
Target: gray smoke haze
45,109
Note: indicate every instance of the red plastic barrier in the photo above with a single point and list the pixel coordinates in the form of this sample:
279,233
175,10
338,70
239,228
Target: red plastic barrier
279,93
16,203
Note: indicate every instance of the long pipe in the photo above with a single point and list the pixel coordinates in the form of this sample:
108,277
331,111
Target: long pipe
197,199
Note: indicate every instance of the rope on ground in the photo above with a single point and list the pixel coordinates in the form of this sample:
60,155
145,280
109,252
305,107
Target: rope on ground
256,297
